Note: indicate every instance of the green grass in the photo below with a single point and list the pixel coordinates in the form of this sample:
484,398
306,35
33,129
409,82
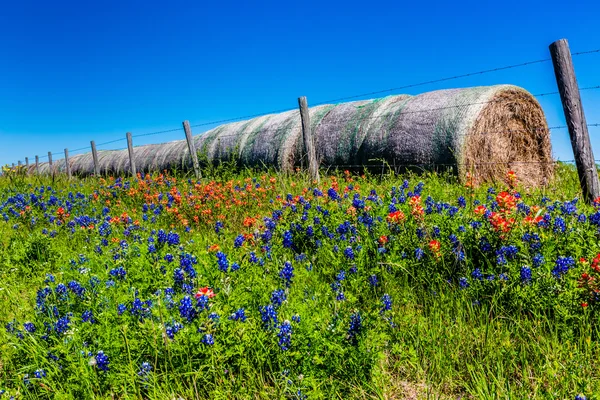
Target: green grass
492,340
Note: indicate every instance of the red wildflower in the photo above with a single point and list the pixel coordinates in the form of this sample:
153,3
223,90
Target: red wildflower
205,291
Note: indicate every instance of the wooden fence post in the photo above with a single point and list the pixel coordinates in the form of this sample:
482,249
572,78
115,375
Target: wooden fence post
51,171
67,165
192,148
131,160
19,163
27,165
575,117
37,164
95,158
309,141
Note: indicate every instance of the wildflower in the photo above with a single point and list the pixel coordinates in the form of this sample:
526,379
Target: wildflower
562,266
88,316
463,283
386,302
349,253
205,291
285,335
525,274
100,361
145,369
396,217
119,273
419,253
172,329
476,274
278,297
208,339
40,373
288,239
287,273
29,327
268,315
238,315
355,326
239,241
222,261
186,309
373,280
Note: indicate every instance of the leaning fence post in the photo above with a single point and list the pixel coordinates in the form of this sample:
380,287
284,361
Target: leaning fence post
131,161
37,165
192,148
67,165
95,158
309,144
575,117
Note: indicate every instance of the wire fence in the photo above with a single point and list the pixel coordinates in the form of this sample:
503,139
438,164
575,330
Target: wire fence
368,118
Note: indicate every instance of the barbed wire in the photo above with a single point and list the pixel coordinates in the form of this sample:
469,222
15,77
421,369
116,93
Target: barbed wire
481,72
157,133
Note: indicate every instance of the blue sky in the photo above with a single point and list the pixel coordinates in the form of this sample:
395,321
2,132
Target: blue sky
76,71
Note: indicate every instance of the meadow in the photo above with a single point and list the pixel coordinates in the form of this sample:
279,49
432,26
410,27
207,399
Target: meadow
257,284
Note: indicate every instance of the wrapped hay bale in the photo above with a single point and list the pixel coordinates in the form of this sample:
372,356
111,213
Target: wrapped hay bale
481,131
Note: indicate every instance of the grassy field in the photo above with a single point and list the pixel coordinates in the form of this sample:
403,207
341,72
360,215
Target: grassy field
262,285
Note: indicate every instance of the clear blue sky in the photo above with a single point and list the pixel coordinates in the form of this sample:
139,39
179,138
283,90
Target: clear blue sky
75,71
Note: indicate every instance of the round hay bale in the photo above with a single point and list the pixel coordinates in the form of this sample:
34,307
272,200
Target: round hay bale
480,132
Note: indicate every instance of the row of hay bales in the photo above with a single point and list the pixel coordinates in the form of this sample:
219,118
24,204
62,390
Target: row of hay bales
481,130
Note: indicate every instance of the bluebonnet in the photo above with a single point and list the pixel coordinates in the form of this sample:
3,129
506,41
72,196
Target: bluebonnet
569,207
102,361
141,308
373,280
145,369
29,327
222,261
268,315
296,318
525,274
121,308
559,225
172,329
285,335
355,325
88,316
218,226
349,253
288,239
333,195
287,273
172,238
278,297
119,273
208,339
186,309
476,274
386,302
538,260
62,324
562,266
463,283
239,241
238,315
419,253
40,373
